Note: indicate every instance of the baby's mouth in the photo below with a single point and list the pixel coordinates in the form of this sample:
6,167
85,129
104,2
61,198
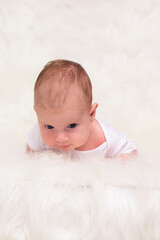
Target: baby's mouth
64,146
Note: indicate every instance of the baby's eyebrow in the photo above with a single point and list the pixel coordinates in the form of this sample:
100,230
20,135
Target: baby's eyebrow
75,121
46,123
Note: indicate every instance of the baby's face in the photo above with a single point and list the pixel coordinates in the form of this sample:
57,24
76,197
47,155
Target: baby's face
66,129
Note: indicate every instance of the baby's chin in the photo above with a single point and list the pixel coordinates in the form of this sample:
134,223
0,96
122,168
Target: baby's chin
65,148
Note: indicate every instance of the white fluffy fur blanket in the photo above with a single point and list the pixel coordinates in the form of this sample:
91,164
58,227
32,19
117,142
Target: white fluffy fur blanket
46,196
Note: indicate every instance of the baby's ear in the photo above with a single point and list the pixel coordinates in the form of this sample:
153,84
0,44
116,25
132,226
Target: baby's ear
93,110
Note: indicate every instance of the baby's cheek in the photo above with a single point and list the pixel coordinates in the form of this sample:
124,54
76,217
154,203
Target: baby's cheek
81,136
48,139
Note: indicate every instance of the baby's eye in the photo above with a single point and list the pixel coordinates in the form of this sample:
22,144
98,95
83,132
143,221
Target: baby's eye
49,126
72,125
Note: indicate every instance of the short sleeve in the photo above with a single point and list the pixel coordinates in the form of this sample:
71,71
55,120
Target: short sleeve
118,143
34,140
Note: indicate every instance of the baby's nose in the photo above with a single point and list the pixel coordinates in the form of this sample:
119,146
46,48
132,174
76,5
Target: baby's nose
61,137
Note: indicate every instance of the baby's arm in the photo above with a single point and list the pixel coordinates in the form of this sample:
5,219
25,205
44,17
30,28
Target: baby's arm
34,141
119,145
125,156
28,149
130,155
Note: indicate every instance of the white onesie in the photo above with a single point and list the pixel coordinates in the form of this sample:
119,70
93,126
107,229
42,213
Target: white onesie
116,143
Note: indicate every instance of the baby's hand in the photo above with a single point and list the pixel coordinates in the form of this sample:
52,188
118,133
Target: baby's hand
125,156
28,149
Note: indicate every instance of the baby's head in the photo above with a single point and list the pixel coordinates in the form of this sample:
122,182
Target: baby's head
63,104
60,80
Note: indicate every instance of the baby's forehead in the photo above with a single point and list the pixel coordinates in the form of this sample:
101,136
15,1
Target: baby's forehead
65,114
75,102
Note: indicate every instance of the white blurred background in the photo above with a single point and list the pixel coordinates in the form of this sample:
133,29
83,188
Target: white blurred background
116,41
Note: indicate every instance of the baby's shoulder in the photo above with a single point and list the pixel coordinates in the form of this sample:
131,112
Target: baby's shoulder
107,128
118,142
34,139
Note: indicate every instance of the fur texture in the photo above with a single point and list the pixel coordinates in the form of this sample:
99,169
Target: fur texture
46,196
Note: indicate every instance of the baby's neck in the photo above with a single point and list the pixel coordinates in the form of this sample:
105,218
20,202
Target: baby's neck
96,137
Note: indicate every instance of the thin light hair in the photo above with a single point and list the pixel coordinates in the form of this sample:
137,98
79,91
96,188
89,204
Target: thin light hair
56,79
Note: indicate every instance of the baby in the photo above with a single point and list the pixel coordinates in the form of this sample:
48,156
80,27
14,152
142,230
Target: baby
66,116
